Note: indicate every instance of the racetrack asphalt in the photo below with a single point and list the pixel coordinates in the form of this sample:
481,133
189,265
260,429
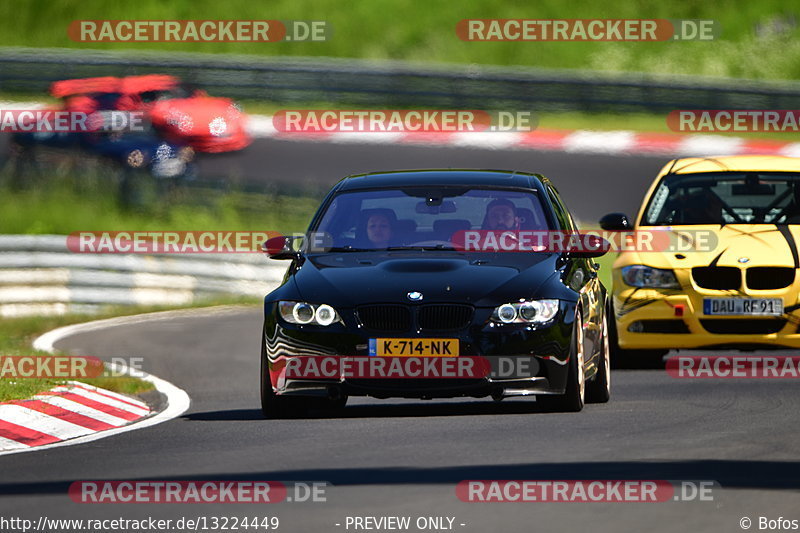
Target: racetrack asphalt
405,457
591,184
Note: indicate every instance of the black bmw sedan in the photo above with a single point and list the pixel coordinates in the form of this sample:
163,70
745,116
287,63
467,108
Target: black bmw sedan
383,298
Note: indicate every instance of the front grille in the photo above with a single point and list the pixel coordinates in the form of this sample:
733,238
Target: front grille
717,278
658,326
385,317
748,326
769,278
442,317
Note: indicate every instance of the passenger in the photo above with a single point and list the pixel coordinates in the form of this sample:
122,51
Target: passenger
378,227
379,230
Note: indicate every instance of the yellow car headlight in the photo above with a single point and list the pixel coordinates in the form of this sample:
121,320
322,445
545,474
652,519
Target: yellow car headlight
649,277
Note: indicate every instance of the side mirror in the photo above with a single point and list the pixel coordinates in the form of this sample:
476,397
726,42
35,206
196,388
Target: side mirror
592,246
279,248
616,222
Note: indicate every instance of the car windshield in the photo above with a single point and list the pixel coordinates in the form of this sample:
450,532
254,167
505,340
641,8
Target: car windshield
413,218
105,101
725,198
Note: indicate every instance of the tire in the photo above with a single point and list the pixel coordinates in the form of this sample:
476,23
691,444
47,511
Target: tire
337,404
640,359
324,406
572,400
599,389
272,405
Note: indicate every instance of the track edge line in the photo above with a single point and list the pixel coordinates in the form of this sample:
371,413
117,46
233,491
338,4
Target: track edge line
178,401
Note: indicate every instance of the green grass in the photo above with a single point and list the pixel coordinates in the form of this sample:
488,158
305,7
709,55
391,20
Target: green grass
17,335
759,39
605,263
69,204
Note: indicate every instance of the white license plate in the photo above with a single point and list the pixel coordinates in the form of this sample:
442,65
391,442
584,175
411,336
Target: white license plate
743,306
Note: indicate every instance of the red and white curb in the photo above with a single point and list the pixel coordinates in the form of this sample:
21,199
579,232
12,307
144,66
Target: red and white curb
621,142
65,412
177,399
572,141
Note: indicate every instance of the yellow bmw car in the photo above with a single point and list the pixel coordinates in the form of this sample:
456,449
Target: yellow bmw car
726,276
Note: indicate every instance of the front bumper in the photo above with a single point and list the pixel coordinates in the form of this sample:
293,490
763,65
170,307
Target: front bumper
526,360
419,389
669,319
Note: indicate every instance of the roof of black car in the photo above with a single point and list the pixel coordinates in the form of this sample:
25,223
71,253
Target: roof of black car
442,177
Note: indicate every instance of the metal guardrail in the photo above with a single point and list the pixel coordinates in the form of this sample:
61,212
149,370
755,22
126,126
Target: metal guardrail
39,275
398,84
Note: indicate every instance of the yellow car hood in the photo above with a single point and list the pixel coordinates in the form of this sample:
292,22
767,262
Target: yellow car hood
736,245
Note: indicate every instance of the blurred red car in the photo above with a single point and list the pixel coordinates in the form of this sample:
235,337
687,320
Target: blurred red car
179,113
87,95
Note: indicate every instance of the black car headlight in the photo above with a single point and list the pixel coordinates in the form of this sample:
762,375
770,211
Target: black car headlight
305,313
526,312
649,277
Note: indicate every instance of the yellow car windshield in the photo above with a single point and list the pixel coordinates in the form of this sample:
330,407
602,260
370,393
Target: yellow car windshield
725,198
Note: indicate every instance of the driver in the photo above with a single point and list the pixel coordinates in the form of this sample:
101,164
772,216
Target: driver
501,214
702,207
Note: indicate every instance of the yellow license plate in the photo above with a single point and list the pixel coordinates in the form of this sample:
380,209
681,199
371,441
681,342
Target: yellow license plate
413,347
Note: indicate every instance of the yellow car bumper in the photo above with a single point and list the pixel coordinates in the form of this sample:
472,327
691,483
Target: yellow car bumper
654,319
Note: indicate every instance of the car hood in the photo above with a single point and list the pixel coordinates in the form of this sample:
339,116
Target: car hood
355,278
736,245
